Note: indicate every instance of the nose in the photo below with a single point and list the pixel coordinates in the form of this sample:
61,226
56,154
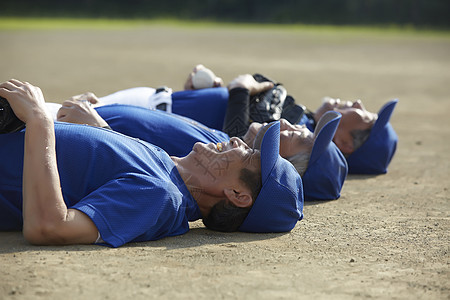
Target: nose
284,124
357,104
237,142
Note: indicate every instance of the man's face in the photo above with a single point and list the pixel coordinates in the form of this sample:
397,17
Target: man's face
222,162
293,138
354,117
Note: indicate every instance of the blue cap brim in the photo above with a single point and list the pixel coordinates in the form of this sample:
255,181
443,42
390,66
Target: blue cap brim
327,167
324,133
279,204
375,154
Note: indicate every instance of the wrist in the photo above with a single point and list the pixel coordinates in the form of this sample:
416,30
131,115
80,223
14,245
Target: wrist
40,120
234,85
239,91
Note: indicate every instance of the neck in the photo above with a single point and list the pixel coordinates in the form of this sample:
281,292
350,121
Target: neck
205,200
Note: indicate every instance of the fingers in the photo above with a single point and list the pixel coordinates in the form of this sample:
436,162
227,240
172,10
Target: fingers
65,110
61,118
25,99
80,101
218,82
9,86
266,85
85,97
188,84
92,98
258,87
75,111
14,84
5,89
242,81
61,114
16,87
69,103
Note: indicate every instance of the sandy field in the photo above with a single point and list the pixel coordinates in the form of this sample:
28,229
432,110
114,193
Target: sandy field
387,237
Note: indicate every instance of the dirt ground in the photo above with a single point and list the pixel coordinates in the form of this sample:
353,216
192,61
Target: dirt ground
387,237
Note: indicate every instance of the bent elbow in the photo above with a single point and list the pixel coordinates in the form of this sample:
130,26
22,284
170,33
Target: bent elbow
42,234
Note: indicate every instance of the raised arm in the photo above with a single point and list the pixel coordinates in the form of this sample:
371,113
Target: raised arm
237,117
47,220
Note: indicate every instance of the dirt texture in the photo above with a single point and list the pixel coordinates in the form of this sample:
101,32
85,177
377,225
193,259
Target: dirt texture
387,237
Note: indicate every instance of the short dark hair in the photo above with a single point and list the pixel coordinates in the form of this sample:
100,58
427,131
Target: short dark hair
227,217
359,137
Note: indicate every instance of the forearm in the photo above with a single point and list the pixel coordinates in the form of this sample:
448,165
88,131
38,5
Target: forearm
237,116
43,204
46,219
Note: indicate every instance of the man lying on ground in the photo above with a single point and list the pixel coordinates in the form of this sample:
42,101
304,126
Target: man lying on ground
367,140
72,184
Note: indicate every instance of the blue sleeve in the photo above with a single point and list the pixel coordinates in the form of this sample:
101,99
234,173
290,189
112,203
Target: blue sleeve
136,208
207,106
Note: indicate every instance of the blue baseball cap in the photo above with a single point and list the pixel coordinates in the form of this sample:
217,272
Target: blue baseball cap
375,154
327,167
279,204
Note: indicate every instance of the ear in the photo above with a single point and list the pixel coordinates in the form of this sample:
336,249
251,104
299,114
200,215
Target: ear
344,144
240,198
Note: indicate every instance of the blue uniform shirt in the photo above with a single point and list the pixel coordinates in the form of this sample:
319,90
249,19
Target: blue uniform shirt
173,133
130,189
208,106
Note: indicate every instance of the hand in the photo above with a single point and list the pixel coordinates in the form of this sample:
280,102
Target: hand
87,97
248,82
80,111
188,85
25,99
